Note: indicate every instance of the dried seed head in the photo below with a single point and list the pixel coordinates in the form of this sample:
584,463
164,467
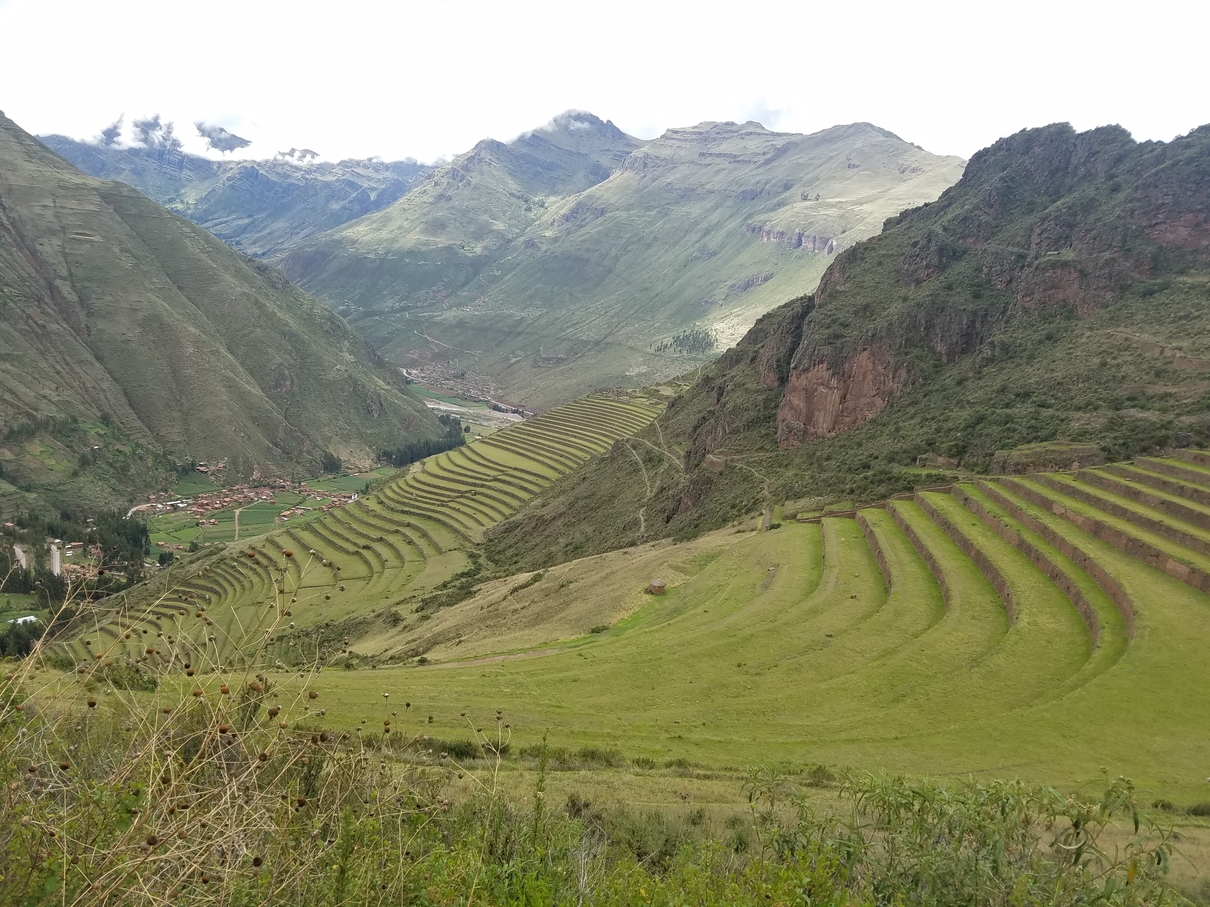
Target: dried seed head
312,695
92,704
225,690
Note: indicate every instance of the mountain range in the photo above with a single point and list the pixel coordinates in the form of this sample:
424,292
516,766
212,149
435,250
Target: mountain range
260,207
131,339
1051,309
578,256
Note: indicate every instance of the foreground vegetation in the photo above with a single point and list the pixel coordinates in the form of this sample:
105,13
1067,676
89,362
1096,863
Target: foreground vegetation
232,793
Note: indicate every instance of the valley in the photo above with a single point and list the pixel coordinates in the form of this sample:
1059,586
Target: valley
567,258
730,517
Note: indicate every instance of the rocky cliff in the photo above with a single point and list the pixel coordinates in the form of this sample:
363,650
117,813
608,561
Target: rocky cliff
1044,221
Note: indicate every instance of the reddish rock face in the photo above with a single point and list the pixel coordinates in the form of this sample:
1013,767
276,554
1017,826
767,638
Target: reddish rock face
1190,230
819,402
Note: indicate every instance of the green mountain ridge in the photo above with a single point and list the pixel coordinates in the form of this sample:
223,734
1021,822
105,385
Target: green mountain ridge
563,260
260,207
131,337
1054,300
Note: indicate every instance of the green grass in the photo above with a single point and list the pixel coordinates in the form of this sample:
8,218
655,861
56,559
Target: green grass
340,483
813,661
784,647
194,483
429,394
18,604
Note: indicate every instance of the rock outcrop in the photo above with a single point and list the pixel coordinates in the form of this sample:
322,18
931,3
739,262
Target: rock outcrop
1043,221
820,401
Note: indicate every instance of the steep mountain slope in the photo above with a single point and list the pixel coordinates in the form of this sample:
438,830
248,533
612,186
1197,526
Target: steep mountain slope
123,328
259,207
564,259
1058,295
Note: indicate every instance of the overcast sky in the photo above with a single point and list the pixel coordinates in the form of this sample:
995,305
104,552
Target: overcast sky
429,79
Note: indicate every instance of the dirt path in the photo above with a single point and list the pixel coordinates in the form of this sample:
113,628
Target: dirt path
664,451
493,659
760,476
237,510
21,557
436,342
647,483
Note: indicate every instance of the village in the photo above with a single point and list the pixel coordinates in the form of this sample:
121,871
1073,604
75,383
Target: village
223,507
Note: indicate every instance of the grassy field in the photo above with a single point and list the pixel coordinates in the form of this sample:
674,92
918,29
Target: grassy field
194,483
1044,627
18,604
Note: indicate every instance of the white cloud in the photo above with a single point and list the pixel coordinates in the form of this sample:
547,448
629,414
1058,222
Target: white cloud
399,78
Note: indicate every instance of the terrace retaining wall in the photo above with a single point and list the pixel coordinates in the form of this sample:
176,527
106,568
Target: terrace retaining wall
1175,509
1197,457
1135,547
989,570
876,547
1039,559
1162,529
1163,483
1196,476
926,555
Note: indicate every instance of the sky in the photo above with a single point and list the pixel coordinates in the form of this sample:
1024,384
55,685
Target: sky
428,80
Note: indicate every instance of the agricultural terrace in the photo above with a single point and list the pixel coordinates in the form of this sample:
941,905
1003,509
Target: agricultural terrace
1042,627
404,540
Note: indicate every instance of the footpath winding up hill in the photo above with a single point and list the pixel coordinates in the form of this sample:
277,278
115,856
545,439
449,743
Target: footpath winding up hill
562,260
132,337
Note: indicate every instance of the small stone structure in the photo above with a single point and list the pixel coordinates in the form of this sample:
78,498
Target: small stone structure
656,587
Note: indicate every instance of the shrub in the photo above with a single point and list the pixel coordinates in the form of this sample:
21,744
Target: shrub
600,758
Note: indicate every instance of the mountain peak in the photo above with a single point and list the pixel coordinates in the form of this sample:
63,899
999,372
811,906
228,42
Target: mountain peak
576,121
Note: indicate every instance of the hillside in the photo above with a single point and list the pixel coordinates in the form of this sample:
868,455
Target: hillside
132,339
1056,296
410,544
573,256
259,207
1041,626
